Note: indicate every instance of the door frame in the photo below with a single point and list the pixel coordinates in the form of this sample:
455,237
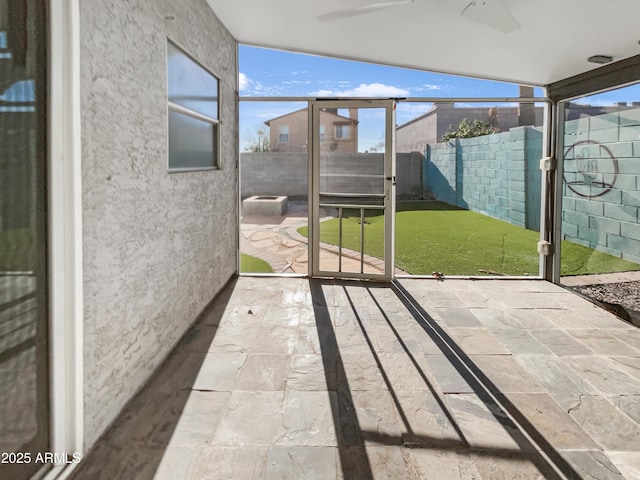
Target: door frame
389,186
66,253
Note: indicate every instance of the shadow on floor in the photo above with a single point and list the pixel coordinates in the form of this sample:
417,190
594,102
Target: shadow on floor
535,447
352,439
374,419
135,444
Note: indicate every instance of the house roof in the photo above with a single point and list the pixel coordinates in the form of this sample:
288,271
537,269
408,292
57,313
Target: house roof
553,42
339,117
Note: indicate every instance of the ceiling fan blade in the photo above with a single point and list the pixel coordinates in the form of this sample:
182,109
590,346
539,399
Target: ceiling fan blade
353,11
491,13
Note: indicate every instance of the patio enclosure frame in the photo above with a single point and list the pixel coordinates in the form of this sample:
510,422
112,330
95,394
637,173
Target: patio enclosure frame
606,78
548,188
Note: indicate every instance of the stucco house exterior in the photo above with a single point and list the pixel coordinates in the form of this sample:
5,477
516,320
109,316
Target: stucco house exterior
338,133
428,129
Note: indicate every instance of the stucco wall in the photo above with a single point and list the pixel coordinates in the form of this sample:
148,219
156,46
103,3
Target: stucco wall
298,132
416,135
157,246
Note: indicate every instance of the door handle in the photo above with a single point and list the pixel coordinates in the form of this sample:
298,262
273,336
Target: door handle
393,180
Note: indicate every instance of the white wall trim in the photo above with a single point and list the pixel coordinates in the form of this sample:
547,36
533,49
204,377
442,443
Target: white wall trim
65,213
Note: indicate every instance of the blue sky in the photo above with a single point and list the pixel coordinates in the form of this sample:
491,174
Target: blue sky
273,73
265,72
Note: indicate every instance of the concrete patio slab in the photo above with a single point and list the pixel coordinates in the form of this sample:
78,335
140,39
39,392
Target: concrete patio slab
359,380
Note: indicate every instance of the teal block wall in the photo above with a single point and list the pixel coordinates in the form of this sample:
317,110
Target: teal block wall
609,221
630,230
498,175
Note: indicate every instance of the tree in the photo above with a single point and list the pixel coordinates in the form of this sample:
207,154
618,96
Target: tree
258,141
469,129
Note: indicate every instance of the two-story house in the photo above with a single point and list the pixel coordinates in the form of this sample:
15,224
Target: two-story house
338,133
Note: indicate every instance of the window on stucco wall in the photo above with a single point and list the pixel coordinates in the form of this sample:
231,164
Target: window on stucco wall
193,112
343,132
283,134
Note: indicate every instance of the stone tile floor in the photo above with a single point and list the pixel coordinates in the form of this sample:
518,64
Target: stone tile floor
286,378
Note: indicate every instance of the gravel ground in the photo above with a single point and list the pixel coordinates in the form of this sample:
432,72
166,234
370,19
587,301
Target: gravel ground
626,294
616,295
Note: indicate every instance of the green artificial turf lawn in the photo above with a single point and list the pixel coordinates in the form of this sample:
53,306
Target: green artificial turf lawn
249,264
435,236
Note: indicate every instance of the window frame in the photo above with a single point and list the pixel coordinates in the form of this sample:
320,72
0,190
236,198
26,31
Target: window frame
280,133
340,128
181,109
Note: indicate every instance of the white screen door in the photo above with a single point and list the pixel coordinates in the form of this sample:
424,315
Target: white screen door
352,188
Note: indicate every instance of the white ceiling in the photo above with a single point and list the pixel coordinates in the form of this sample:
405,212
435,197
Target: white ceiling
556,38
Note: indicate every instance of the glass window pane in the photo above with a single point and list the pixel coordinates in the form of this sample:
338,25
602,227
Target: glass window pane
24,297
351,178
468,188
191,142
284,134
190,85
600,253
274,188
343,131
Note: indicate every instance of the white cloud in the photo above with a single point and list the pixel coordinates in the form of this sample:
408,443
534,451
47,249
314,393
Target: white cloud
429,88
297,82
243,81
323,93
249,87
590,102
365,90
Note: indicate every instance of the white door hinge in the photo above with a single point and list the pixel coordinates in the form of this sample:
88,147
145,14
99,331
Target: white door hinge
545,248
548,163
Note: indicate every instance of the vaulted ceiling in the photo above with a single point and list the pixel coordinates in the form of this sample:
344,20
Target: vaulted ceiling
535,42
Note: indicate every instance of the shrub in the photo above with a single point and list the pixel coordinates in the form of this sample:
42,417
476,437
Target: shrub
469,129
